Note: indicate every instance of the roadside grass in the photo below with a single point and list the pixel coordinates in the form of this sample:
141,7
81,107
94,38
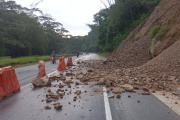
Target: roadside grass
22,60
105,54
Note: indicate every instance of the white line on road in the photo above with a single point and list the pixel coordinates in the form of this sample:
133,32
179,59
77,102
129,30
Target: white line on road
107,107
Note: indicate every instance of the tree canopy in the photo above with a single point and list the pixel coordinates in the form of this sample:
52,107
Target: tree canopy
115,22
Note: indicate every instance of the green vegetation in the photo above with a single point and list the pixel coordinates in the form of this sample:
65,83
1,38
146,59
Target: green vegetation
22,60
103,54
149,52
162,33
154,31
23,33
113,24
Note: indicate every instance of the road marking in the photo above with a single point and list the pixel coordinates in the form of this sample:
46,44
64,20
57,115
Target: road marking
107,106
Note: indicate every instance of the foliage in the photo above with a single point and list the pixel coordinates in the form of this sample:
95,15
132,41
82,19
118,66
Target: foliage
22,60
117,21
154,31
162,33
22,33
103,54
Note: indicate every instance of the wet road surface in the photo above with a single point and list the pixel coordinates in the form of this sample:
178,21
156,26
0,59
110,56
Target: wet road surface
27,74
28,105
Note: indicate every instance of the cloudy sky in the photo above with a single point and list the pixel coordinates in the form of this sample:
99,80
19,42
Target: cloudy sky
73,14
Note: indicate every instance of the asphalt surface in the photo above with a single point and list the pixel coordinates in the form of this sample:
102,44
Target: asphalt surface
27,74
28,105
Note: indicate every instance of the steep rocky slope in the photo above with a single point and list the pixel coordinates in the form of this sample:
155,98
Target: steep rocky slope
154,62
144,61
138,47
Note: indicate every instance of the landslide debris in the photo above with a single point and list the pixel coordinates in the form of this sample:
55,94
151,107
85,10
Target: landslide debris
131,67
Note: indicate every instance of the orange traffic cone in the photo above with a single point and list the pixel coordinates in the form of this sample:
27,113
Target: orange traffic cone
60,67
69,63
64,65
41,72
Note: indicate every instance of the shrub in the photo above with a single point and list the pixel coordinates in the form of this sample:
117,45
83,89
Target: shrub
162,33
154,31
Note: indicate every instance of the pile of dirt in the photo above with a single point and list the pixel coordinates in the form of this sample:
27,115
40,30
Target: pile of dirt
152,63
138,48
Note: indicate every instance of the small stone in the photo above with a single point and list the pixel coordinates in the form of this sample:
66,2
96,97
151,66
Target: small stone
78,92
129,96
61,85
145,93
57,106
145,89
90,70
138,101
61,93
49,90
112,96
118,95
74,99
176,102
47,107
175,93
77,83
128,88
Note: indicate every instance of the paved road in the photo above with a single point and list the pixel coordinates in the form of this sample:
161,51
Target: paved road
28,105
27,74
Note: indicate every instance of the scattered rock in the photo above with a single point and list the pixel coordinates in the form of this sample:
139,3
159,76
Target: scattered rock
69,74
112,96
116,90
74,99
47,107
118,95
61,85
63,78
175,93
145,93
41,83
128,88
145,89
78,92
108,84
90,70
77,83
49,90
171,78
101,82
57,106
61,93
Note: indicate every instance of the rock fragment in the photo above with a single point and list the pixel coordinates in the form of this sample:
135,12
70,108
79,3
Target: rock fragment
57,106
128,88
145,93
145,89
118,95
112,96
78,92
47,107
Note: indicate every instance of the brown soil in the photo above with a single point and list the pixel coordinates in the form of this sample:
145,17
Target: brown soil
132,57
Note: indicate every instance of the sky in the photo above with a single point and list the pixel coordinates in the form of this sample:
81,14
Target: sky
73,14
